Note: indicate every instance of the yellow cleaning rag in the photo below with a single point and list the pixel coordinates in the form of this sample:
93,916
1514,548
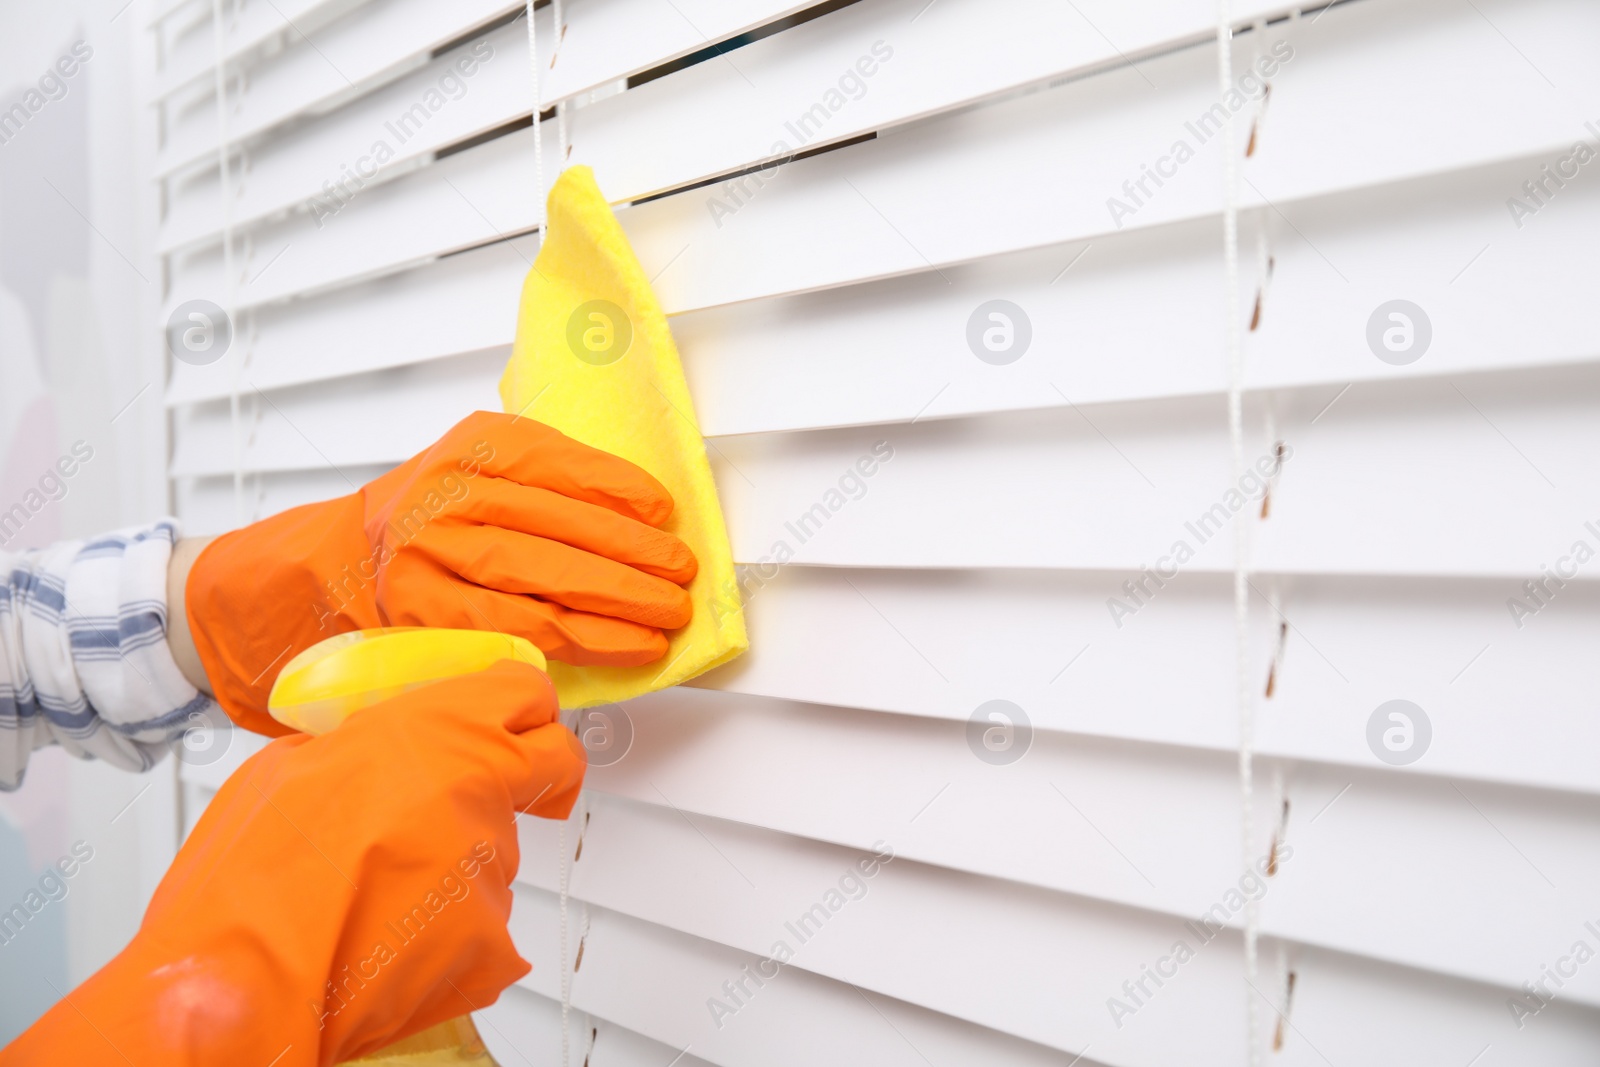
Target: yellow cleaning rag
594,359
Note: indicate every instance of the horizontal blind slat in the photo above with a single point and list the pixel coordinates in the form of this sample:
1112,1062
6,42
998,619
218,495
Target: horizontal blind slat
404,409
206,506
1073,666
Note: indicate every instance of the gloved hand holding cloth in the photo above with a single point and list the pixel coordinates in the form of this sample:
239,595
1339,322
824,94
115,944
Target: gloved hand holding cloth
504,524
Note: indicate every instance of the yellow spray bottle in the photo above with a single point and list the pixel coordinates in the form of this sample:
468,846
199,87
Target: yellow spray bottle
332,680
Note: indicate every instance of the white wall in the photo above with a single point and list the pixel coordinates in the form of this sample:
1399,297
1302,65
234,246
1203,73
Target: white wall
71,360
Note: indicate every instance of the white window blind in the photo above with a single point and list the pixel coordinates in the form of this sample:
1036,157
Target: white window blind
1050,529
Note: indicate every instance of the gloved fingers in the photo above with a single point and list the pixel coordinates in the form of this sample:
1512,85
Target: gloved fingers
554,772
575,637
583,639
385,486
535,454
534,701
515,696
543,513
503,721
513,562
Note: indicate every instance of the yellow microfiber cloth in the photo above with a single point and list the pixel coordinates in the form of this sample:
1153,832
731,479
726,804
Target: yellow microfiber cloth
594,359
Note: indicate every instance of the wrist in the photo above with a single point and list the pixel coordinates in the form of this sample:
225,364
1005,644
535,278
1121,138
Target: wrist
179,638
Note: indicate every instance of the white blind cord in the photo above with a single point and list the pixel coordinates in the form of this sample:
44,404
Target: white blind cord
229,283
538,136
1241,530
566,975
538,185
580,817
539,191
558,24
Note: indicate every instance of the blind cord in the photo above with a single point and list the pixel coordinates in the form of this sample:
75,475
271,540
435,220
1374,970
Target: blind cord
579,815
540,192
229,283
558,24
1241,529
566,976
544,221
538,135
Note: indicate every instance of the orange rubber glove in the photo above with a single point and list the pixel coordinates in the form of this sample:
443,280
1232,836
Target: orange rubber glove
503,524
340,892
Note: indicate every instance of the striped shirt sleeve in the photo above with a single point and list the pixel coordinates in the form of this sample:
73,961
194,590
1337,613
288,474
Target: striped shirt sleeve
84,660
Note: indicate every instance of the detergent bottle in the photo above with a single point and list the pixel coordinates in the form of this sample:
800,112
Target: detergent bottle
332,680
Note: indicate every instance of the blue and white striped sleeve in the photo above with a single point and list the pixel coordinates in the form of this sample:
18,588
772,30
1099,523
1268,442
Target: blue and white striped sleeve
84,660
